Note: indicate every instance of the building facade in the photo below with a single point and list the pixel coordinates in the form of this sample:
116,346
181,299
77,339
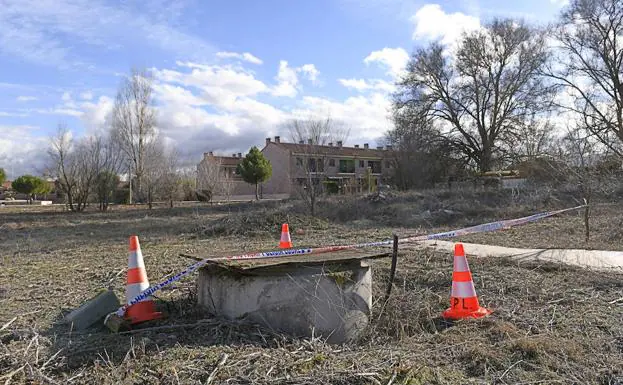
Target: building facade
343,170
221,172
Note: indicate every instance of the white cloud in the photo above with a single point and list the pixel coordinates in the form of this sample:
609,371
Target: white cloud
59,111
214,80
357,84
66,96
310,71
26,98
560,3
21,150
7,114
212,99
246,56
366,116
394,59
36,30
432,23
95,116
177,95
87,95
368,84
287,81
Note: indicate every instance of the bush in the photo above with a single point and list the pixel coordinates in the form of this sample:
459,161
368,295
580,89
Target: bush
543,170
122,195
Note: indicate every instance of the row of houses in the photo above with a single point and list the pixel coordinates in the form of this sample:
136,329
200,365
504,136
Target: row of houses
350,169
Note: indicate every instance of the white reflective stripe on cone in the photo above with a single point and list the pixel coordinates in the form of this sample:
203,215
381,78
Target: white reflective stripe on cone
463,290
285,237
134,261
132,290
460,264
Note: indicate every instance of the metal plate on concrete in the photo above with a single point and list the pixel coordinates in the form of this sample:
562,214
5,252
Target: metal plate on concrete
337,257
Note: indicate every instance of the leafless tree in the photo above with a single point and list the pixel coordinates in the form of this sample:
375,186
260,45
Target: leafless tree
531,140
312,137
158,163
133,123
589,66
188,181
489,88
111,162
62,167
421,155
209,177
170,183
226,185
579,165
76,165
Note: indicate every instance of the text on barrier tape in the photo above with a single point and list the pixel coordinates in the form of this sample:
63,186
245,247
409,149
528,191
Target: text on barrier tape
483,228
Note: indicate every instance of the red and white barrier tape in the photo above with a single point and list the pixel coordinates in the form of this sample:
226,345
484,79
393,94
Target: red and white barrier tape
487,227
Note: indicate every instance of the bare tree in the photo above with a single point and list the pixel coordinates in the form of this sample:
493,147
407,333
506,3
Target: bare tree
421,155
107,179
188,182
530,140
312,155
170,183
158,163
589,67
76,165
226,185
62,166
489,88
133,123
583,162
209,177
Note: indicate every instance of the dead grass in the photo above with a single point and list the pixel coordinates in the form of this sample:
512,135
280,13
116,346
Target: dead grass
551,323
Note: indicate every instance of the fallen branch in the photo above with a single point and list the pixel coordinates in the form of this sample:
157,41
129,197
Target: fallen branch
220,363
6,325
10,375
615,301
509,368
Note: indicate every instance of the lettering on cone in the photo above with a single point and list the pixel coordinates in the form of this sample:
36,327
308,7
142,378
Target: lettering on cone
456,301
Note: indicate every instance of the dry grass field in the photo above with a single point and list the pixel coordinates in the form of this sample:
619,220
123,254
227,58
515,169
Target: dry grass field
551,324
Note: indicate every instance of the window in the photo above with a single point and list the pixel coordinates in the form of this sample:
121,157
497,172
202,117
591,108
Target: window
299,162
320,165
375,165
347,166
362,163
331,162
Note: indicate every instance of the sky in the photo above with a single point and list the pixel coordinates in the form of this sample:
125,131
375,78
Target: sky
227,73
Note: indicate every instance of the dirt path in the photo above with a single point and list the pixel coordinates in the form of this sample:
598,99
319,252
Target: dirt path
595,259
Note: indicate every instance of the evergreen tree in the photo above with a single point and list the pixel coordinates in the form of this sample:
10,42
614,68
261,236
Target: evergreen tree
255,169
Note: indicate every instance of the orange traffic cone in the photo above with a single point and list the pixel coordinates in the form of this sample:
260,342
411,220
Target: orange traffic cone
136,283
463,299
285,242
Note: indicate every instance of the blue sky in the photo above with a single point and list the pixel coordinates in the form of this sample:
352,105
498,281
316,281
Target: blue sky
227,73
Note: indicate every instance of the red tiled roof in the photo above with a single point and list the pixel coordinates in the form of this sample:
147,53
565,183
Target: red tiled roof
333,150
226,160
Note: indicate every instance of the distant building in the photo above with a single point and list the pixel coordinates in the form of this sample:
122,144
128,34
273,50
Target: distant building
349,169
226,174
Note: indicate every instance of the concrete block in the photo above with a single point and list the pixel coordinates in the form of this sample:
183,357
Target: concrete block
93,310
331,301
